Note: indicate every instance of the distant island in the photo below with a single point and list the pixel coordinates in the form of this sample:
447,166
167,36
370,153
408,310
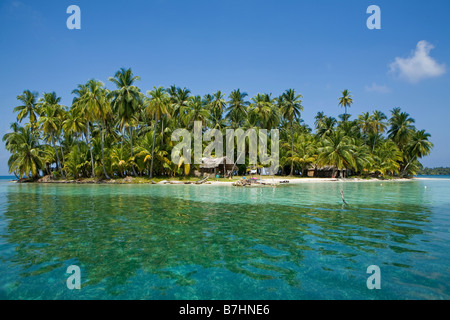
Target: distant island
439,171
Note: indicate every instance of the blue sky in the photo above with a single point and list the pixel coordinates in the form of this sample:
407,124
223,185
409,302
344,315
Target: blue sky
319,48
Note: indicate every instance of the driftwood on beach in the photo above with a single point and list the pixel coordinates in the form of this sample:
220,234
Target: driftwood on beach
203,180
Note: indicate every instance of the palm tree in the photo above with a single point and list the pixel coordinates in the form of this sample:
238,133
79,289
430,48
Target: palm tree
50,121
179,99
290,108
217,107
318,119
387,157
304,151
126,100
11,139
401,127
365,123
120,159
325,126
273,118
26,158
196,111
378,125
86,114
74,124
96,100
418,147
261,106
337,151
156,107
237,108
345,101
29,107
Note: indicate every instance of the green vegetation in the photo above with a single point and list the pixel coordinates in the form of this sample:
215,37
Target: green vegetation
440,171
123,132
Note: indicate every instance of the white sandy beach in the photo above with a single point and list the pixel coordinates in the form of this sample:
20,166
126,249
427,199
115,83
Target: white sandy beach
277,180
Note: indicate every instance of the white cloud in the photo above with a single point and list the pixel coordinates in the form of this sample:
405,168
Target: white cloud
419,65
376,88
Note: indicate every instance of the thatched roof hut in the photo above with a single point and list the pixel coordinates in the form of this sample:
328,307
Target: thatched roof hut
327,172
222,166
208,163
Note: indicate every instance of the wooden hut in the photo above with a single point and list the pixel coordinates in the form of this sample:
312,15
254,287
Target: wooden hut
327,172
222,166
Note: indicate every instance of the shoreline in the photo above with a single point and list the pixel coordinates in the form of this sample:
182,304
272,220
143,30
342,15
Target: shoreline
267,181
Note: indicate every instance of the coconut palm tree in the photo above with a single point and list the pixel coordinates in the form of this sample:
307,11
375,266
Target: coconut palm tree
237,108
195,111
126,100
97,100
120,159
290,108
346,101
318,119
378,125
401,127
326,126
11,139
366,124
74,124
418,147
305,152
387,158
217,107
86,114
179,99
26,158
29,107
50,121
337,151
261,107
273,119
157,107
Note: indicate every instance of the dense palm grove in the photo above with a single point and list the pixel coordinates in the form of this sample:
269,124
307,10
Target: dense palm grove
107,134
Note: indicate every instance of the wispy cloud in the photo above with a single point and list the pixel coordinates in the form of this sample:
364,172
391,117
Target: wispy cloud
420,65
377,88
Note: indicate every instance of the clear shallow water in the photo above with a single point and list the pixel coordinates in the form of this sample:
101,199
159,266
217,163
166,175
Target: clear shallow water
218,242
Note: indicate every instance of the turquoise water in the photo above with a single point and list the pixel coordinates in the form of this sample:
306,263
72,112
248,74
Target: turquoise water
220,242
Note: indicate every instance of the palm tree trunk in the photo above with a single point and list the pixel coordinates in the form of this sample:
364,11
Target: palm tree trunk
131,149
88,138
62,153
103,155
162,130
374,141
57,157
123,136
403,172
153,148
292,150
